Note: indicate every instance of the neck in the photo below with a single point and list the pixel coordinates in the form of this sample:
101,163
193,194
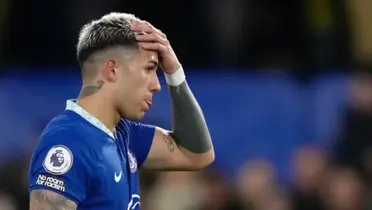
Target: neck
100,108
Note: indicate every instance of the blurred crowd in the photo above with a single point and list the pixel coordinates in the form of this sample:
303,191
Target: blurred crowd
301,37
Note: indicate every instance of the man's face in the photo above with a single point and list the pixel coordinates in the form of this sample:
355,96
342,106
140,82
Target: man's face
137,81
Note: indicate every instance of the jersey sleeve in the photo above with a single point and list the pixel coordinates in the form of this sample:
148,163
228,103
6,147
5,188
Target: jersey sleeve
61,163
142,136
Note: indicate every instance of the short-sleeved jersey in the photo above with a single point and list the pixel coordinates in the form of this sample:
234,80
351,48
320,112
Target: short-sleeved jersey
81,159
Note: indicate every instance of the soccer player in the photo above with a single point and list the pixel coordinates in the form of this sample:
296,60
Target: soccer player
88,156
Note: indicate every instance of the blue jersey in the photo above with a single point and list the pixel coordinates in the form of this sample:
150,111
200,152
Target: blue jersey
79,158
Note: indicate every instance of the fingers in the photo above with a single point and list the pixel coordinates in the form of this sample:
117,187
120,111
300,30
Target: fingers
153,37
144,26
153,46
150,38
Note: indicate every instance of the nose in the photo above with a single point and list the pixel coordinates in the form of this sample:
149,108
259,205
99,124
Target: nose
155,84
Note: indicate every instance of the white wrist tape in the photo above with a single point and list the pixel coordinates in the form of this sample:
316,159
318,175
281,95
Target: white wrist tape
176,78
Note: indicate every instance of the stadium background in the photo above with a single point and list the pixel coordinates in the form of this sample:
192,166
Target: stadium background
286,88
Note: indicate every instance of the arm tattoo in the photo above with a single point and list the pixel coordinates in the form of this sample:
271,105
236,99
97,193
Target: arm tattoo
48,200
169,141
91,89
189,127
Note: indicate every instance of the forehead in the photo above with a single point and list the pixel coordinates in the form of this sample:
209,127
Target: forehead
146,56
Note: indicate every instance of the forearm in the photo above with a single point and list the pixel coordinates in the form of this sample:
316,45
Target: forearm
189,127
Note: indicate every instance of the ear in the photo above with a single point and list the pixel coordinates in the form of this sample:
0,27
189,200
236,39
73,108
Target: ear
110,71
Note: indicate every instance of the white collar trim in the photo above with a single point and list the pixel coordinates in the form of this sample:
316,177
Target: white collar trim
72,106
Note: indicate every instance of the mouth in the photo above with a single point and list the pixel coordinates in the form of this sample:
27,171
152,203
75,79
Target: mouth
149,103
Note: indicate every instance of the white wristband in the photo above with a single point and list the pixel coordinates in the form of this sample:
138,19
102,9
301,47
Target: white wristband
176,78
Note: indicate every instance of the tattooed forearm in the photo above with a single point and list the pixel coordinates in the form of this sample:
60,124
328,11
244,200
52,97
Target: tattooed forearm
91,89
169,141
48,200
189,127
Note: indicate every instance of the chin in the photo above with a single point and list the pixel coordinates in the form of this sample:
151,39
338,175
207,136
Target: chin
134,117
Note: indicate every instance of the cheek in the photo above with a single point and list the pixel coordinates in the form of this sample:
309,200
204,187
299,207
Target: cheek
134,89
136,85
121,92
142,80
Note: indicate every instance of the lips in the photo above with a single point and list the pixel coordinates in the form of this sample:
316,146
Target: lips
148,102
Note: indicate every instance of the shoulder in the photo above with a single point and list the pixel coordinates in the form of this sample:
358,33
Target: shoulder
64,135
66,122
62,147
68,127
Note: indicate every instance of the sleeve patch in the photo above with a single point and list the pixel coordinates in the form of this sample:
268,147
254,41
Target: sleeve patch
51,182
58,160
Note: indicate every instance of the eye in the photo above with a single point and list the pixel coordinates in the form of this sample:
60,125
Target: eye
150,68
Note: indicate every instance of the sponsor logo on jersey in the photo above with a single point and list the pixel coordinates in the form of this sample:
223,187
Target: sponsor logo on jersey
51,182
118,177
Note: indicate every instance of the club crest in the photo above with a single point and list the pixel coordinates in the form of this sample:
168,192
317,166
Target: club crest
132,162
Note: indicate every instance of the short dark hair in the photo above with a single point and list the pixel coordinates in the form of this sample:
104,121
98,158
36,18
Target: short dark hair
111,30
